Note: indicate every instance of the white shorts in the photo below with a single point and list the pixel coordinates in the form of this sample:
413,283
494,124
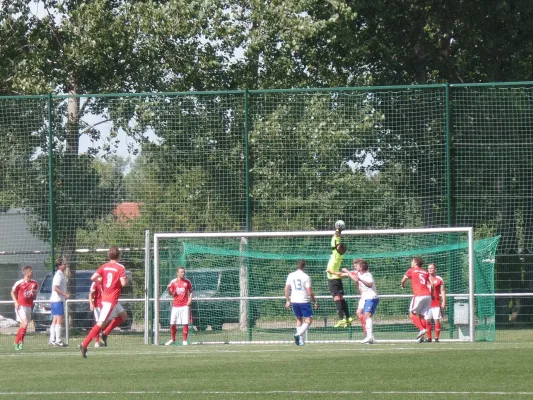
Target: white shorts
97,311
434,313
179,316
420,305
108,312
23,312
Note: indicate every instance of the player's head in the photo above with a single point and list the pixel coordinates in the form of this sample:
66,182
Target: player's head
432,268
341,248
180,272
360,265
301,264
61,263
27,271
417,262
113,254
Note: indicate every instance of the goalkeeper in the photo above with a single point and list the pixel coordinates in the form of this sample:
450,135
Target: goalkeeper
335,278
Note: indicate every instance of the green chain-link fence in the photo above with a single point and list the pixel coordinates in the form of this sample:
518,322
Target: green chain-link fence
90,171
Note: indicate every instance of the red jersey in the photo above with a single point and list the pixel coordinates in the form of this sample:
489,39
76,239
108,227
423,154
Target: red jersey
419,281
181,290
96,287
111,272
23,291
438,283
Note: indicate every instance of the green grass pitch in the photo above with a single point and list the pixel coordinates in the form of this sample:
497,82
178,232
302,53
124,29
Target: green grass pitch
281,372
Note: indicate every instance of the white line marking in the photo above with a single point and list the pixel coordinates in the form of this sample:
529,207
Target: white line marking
268,392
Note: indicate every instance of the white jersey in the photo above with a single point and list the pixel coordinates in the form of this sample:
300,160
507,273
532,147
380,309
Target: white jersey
61,282
367,292
299,282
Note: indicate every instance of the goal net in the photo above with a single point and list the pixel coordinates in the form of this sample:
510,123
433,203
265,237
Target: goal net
239,280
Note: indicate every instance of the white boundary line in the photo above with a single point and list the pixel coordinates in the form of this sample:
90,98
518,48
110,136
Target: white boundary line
268,392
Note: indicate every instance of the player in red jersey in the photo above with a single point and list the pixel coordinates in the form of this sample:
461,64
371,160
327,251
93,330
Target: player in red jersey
181,289
95,304
438,303
422,285
112,276
23,293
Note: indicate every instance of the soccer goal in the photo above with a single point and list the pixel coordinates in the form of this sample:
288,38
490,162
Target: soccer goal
239,279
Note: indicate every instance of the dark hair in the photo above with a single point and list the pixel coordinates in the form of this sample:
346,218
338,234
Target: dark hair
418,261
362,263
113,253
301,264
26,268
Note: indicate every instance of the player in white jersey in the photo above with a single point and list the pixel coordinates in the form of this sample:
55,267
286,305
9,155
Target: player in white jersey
57,302
299,292
369,296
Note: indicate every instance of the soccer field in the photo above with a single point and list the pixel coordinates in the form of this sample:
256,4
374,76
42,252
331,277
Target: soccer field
314,371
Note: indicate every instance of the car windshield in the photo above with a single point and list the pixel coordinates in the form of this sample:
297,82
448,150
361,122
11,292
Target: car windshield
83,282
203,281
46,286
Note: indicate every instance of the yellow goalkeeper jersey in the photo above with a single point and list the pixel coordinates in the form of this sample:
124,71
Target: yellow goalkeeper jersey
335,260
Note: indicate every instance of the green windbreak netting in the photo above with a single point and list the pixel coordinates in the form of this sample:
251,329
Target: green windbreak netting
253,273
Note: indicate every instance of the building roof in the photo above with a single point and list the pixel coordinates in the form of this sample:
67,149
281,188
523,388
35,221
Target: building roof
127,211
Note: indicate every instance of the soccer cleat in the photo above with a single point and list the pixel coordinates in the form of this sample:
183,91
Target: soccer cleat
50,343
420,339
301,341
421,334
104,339
59,344
348,321
17,347
97,344
169,343
437,340
21,346
185,343
429,340
341,324
83,351
368,340
297,340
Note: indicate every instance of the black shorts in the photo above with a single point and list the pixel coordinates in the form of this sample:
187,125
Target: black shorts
335,287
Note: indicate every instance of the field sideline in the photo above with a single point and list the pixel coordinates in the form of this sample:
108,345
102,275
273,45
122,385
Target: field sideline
315,371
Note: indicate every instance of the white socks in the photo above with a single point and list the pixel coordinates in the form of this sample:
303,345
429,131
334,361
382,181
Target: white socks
58,333
369,326
301,330
52,333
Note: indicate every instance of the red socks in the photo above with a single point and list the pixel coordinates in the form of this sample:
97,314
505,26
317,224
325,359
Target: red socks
173,330
95,331
417,321
116,322
362,319
20,335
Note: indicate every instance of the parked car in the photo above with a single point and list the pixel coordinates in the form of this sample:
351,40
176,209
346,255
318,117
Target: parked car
210,283
79,313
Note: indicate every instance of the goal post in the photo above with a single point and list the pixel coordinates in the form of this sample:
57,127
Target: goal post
239,279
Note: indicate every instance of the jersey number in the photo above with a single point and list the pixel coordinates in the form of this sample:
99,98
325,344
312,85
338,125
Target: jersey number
297,284
109,280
